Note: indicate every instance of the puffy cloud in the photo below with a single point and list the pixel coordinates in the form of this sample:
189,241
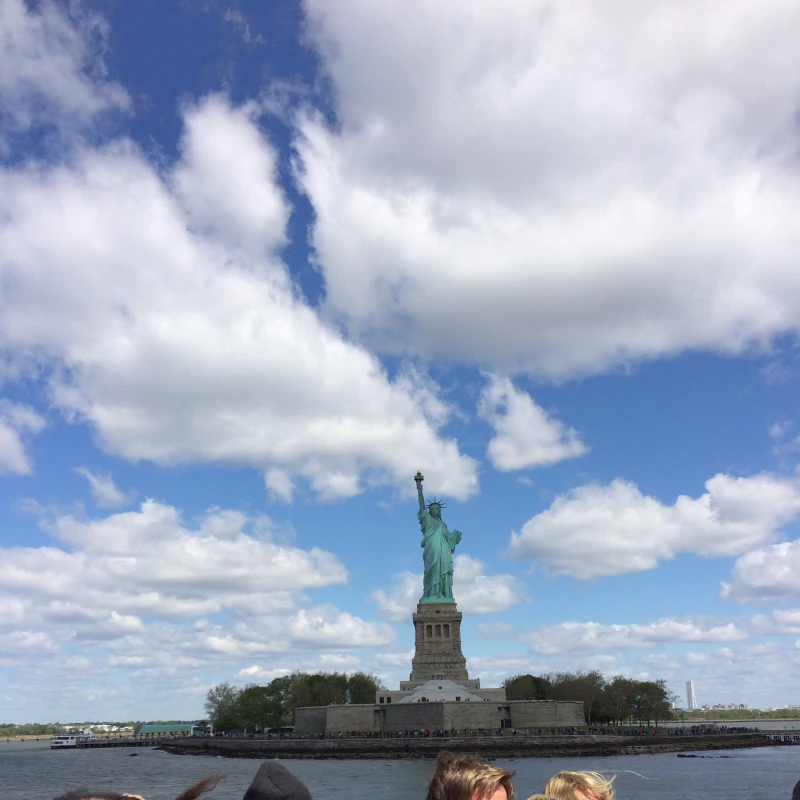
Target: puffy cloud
15,421
226,179
147,563
261,674
144,595
491,197
52,67
780,621
327,627
612,530
26,643
769,572
400,602
104,490
591,636
479,593
525,434
308,629
158,313
474,591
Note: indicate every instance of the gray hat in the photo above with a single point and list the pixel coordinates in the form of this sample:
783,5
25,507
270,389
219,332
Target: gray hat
275,782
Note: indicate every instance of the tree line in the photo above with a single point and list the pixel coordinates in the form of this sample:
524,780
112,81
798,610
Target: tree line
618,701
259,708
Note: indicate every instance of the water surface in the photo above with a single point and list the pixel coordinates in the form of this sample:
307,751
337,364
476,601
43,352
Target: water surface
31,771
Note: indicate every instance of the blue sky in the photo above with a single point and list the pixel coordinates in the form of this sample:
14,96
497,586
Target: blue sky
260,262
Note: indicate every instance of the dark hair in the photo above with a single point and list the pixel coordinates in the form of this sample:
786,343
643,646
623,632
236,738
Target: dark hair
193,792
201,787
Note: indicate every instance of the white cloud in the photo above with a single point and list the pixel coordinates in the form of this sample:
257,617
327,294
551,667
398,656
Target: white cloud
474,591
525,434
226,180
46,59
261,674
612,530
766,573
479,593
400,602
591,636
325,626
104,490
147,563
779,621
159,315
241,25
279,485
15,421
545,190
142,594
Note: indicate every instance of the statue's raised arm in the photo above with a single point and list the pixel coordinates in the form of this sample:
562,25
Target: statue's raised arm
419,478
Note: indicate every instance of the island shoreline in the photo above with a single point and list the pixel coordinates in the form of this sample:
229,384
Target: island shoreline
488,747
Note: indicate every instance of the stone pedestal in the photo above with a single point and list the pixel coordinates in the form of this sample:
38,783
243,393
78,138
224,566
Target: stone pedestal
437,655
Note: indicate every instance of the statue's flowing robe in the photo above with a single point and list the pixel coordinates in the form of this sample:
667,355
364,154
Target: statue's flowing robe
438,543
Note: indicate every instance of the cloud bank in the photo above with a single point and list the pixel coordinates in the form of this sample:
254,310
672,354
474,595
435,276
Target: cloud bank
487,196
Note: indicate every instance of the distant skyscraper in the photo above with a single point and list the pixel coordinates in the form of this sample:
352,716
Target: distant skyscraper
691,700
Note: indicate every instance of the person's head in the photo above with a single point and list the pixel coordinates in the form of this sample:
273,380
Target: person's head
274,782
542,797
580,786
193,792
435,510
87,794
469,778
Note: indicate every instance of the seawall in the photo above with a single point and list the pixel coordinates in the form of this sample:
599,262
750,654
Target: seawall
487,746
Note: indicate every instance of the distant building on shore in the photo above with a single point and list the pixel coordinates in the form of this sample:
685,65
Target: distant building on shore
691,700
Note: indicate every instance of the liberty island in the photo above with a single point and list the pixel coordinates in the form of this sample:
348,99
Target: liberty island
441,707
439,694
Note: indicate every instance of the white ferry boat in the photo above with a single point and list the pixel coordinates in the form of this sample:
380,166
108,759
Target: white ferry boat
60,741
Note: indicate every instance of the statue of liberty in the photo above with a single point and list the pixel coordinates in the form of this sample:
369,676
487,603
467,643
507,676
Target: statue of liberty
439,544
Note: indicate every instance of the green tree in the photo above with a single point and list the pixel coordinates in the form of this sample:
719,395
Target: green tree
652,701
585,686
361,688
526,687
619,696
221,706
318,689
256,710
279,691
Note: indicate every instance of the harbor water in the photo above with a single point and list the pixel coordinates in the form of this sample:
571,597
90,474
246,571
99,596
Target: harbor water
31,771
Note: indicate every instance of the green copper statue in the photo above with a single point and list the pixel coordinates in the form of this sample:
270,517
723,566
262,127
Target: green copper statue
439,544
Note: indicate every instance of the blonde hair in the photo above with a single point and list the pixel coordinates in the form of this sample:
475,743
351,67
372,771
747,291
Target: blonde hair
542,797
465,777
566,785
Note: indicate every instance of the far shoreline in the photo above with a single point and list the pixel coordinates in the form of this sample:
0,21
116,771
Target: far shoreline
487,746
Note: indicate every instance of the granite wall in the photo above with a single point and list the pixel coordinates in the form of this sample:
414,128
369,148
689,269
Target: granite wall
519,714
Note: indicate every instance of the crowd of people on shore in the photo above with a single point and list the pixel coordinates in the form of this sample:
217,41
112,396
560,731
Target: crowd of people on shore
457,777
